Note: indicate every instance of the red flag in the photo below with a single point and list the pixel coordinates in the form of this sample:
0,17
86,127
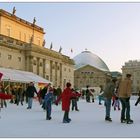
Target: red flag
1,74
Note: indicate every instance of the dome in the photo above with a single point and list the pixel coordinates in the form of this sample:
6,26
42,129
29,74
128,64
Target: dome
88,58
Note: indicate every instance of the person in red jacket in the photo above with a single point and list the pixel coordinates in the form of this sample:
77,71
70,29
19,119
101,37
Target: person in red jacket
3,96
66,96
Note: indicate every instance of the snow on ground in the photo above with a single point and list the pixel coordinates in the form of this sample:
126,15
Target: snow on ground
17,121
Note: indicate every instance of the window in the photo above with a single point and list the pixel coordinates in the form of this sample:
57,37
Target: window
34,62
8,32
19,59
47,77
40,64
24,37
9,57
38,41
53,66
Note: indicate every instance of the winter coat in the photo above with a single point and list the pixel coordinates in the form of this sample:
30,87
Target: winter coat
43,92
30,91
59,91
124,90
5,96
48,97
109,90
66,96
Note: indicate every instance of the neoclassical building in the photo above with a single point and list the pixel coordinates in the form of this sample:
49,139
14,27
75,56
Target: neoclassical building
22,47
90,70
132,67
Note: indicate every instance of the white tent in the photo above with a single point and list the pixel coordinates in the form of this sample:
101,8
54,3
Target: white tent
21,76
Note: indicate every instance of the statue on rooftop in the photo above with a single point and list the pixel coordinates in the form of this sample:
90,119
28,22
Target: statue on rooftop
44,42
14,11
34,21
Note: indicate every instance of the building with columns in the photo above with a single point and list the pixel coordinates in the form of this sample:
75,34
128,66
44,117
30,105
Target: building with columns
22,48
90,70
132,67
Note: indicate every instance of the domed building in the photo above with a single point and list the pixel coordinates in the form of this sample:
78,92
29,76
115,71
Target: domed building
90,70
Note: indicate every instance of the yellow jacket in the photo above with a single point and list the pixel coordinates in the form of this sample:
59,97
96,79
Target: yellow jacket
124,90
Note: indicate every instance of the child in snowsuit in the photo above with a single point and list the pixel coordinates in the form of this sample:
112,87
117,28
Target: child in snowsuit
66,97
101,95
48,102
74,102
116,103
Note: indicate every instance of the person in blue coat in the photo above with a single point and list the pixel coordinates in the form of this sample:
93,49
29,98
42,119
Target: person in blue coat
48,102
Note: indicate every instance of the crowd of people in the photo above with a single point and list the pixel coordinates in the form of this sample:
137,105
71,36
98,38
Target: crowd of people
114,93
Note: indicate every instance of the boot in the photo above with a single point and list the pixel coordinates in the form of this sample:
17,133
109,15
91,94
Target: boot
129,121
108,119
66,121
123,120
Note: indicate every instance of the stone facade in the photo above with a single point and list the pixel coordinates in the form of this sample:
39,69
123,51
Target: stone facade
132,67
22,48
89,75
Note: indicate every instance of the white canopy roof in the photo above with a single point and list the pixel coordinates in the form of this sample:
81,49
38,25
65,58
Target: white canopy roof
21,76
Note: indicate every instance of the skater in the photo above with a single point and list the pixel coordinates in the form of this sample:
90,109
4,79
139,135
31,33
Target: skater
39,96
88,94
42,94
74,102
124,92
59,91
54,94
113,99
92,94
66,97
116,103
101,95
108,93
138,100
30,94
20,95
48,102
2,91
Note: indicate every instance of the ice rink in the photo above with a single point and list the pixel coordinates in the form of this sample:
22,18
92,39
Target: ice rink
17,121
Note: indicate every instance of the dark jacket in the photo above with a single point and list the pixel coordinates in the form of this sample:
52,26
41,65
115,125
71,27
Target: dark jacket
109,90
30,91
59,91
43,92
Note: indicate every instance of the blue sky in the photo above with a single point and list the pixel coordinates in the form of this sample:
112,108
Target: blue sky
109,30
